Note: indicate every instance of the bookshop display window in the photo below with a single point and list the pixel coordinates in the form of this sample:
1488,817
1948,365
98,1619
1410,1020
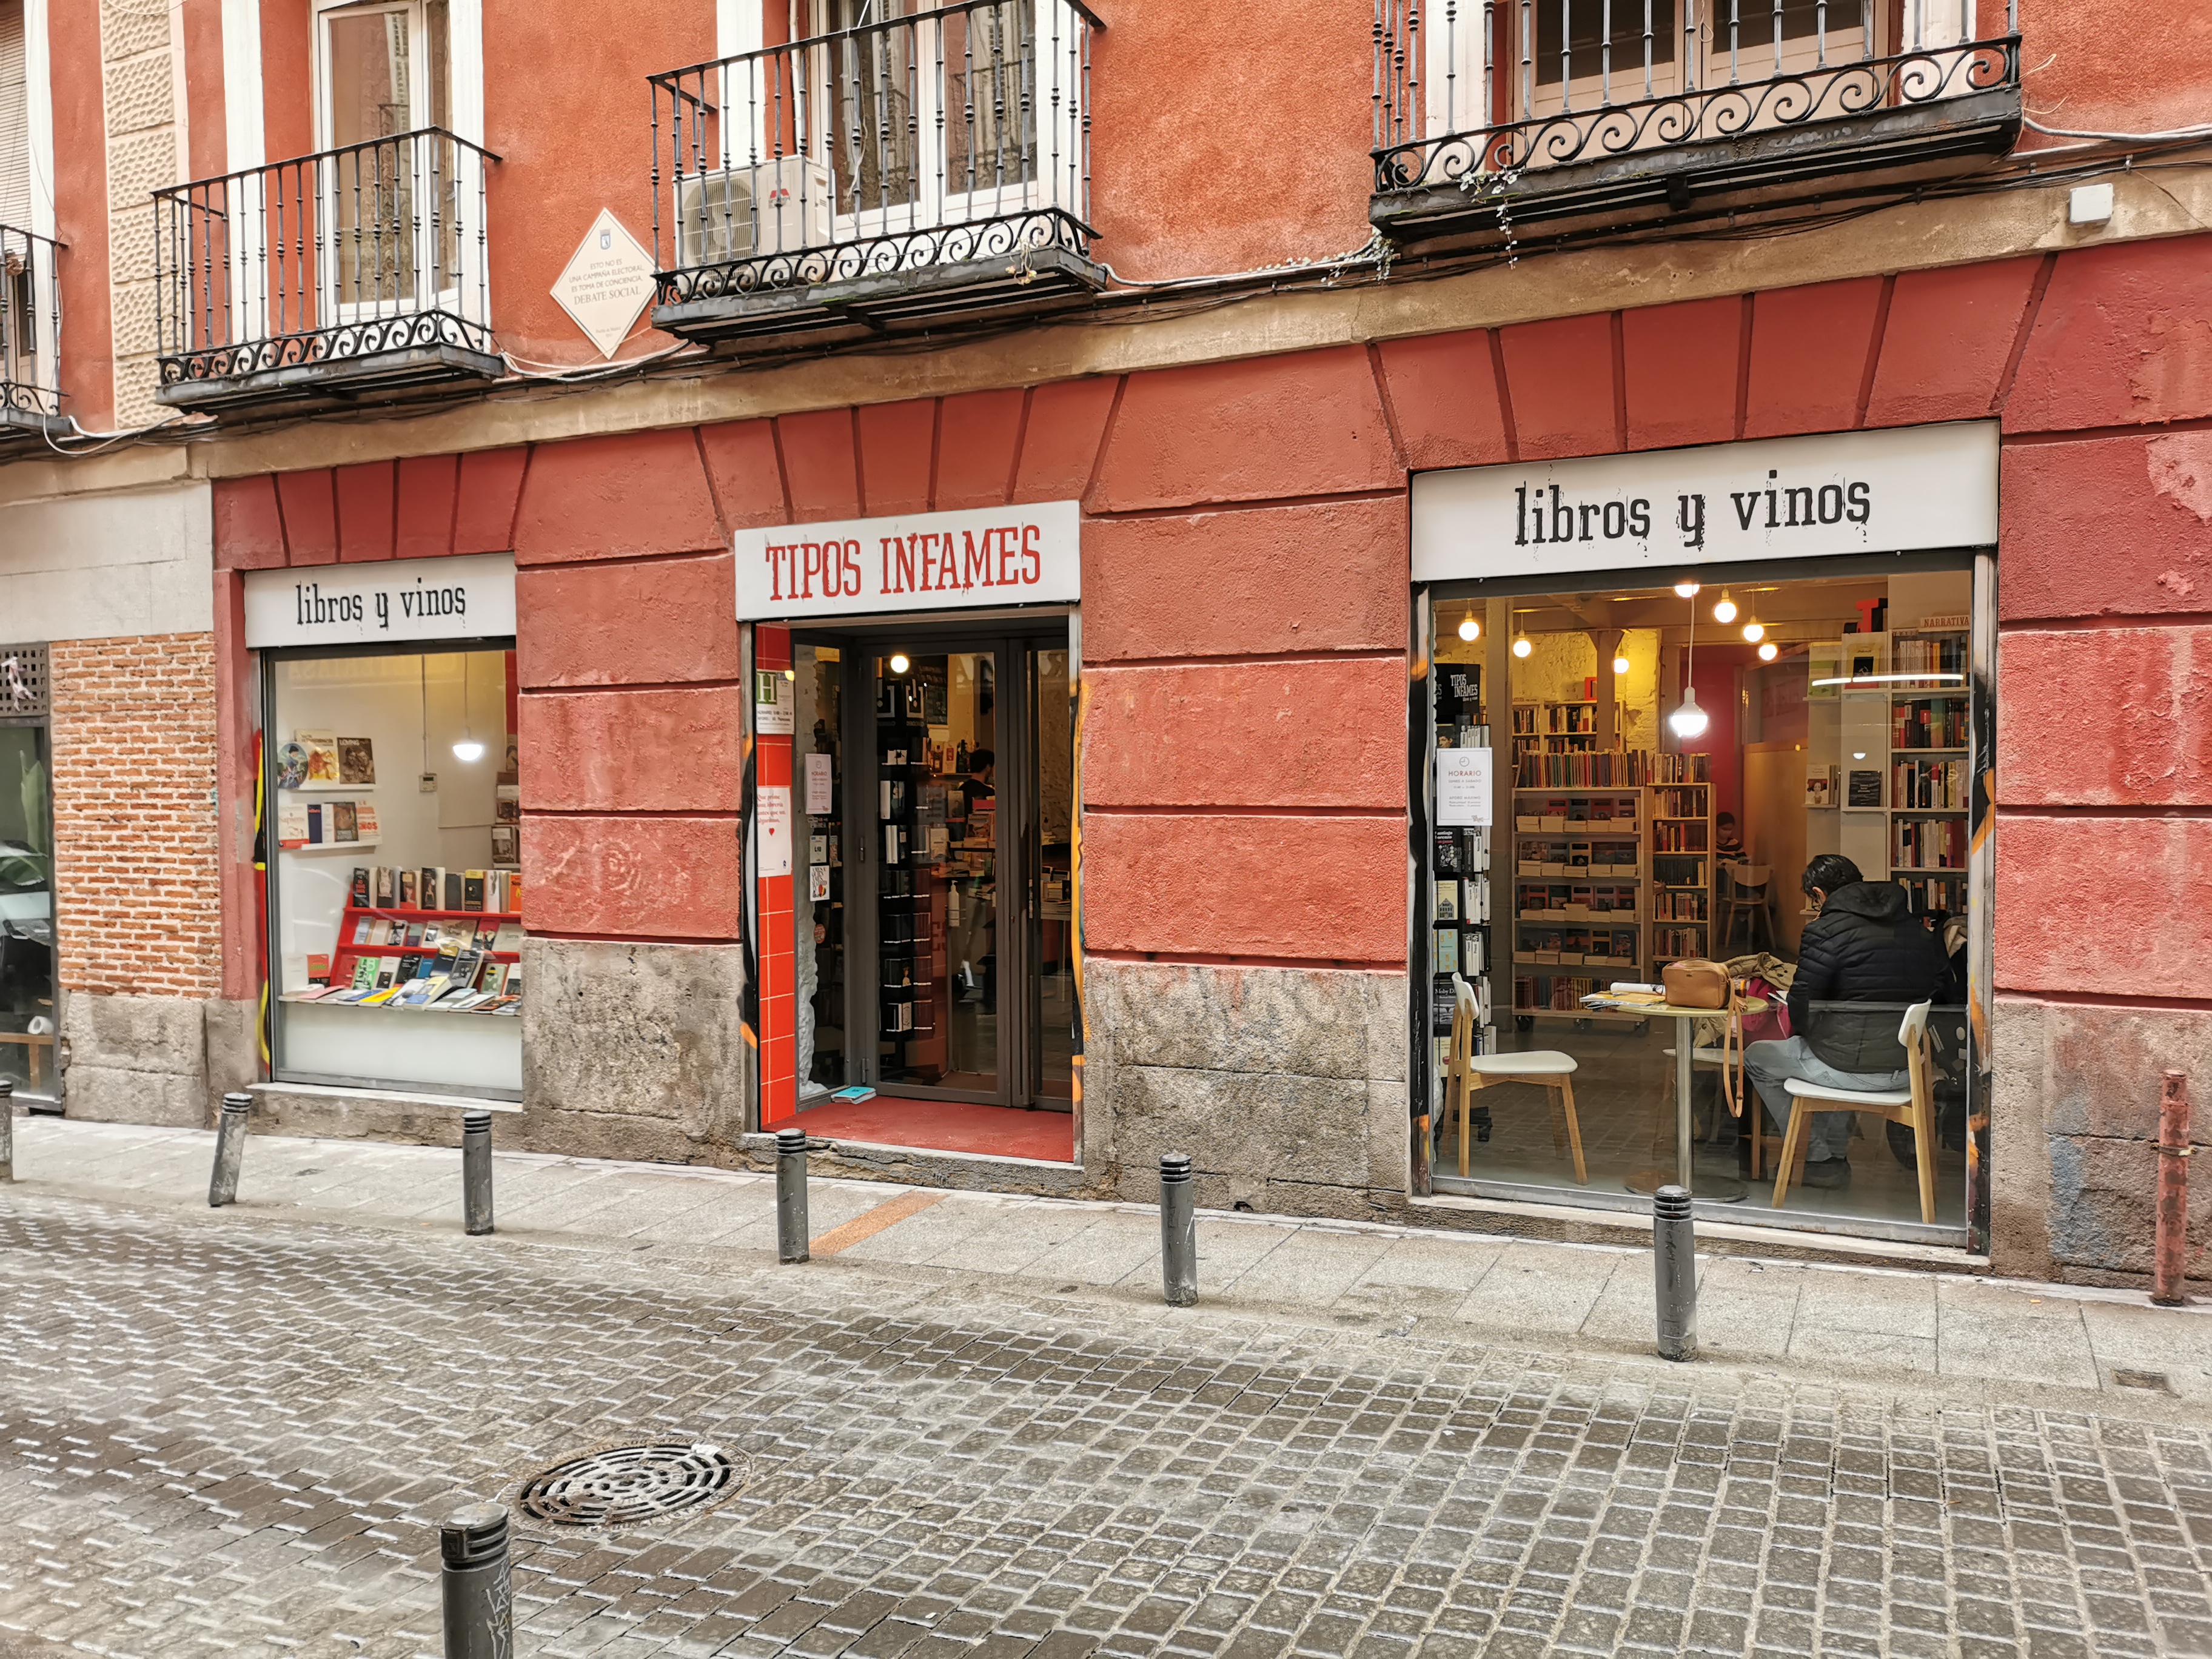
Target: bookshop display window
1670,754
27,882
395,873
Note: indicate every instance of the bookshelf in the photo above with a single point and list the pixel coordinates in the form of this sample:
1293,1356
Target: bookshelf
364,932
1579,870
1930,782
1682,870
1459,892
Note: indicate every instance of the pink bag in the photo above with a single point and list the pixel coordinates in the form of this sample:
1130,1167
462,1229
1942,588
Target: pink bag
1773,1025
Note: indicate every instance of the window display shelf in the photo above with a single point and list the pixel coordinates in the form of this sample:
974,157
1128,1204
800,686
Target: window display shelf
327,846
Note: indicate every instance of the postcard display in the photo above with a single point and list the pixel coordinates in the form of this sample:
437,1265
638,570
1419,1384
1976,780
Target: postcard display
394,820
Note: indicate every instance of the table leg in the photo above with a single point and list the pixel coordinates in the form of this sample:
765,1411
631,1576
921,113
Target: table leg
1686,1030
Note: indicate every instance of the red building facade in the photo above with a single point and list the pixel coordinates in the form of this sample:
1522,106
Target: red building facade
1247,654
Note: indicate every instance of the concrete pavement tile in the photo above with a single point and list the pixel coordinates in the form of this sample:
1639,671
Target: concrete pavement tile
1111,1248
1541,1289
1747,1307
944,1230
1994,1332
2175,1342
1815,1341
1885,1305
1311,1269
1441,1264
1228,1248
1019,1237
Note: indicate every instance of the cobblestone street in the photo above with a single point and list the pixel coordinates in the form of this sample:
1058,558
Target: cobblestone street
234,1434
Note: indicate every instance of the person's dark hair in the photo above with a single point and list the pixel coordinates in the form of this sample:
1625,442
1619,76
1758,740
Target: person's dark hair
1828,871
980,758
1724,817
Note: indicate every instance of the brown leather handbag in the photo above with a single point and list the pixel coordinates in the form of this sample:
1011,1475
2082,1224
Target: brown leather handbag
1694,983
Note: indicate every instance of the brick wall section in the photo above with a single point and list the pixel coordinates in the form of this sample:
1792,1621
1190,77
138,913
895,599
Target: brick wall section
138,893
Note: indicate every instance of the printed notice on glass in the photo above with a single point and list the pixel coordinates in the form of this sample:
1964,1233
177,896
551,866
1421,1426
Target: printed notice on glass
1463,788
772,832
775,704
818,780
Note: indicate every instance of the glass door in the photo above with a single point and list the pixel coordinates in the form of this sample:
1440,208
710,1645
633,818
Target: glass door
939,912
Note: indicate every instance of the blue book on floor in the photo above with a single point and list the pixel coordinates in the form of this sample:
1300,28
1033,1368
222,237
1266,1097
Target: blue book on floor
858,1091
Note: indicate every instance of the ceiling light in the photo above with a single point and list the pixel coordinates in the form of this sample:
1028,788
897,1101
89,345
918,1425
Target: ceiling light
1689,720
1754,631
1725,610
1469,629
899,663
1769,651
468,750
1687,587
1619,666
1522,647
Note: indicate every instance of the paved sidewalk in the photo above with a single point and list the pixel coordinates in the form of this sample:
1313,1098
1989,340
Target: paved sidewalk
971,1430
1836,1321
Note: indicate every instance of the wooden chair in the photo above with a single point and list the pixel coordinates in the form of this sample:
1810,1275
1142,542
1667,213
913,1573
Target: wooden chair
1743,895
1735,1090
1469,1071
1913,1106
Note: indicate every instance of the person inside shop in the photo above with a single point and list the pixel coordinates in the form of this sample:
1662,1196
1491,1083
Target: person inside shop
982,767
1865,947
976,948
1727,839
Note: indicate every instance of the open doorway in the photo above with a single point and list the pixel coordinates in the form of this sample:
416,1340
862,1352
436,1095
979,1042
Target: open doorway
934,920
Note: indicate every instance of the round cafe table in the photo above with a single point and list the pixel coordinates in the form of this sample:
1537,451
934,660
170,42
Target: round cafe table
1721,1189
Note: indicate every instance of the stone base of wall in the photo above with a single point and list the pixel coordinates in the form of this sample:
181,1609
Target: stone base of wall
2073,1121
633,1051
154,1059
1285,1085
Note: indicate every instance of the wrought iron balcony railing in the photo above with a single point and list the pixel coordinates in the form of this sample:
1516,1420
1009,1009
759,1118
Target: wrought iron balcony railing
1552,108
30,333
354,269
944,150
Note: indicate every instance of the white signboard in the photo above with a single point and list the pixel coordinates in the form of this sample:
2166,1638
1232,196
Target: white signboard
775,704
772,832
821,780
1852,492
1463,786
991,555
607,283
471,598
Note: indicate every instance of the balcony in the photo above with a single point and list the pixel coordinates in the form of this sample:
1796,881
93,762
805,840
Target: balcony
889,178
355,273
1505,120
30,338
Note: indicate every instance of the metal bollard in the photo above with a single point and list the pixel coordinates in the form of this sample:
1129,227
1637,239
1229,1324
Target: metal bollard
7,1129
475,1173
479,1600
229,1149
790,1195
1674,1265
1178,1231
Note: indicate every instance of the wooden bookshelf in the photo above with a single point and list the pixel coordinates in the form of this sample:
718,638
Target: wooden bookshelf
1683,867
1584,851
1930,778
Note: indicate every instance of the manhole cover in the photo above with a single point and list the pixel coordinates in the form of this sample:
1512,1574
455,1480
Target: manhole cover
630,1484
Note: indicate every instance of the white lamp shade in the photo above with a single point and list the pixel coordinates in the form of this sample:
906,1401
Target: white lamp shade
468,750
1689,720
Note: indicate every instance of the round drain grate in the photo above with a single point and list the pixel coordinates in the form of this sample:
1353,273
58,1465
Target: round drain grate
630,1484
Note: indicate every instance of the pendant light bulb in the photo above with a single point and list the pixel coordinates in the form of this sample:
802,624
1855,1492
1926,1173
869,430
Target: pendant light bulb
1686,588
1619,666
1755,632
1469,629
1689,720
1522,646
1725,612
468,750
899,662
1769,651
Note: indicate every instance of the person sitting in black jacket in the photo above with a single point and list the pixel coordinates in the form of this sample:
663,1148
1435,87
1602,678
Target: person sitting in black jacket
1865,947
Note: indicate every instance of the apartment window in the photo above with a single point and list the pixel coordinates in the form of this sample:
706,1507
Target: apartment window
385,72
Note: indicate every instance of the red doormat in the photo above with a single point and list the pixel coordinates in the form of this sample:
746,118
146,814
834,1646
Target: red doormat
946,1126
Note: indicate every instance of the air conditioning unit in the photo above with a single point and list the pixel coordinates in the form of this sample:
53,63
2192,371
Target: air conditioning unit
736,213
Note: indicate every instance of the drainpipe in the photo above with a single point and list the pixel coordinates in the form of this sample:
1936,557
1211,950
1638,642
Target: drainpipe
2173,1152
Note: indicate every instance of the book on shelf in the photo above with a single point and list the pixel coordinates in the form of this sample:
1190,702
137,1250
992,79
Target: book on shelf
345,823
1929,786
1928,843
472,889
365,823
359,888
450,884
1908,656
292,824
1929,722
322,762
356,760
315,816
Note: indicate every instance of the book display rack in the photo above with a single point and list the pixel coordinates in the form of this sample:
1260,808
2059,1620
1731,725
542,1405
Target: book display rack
441,960
912,992
1930,780
1460,873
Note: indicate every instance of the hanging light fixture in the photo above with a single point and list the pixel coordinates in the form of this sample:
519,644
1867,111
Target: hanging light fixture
1468,628
1755,632
1688,721
1687,587
1769,651
1725,612
467,749
1619,666
1523,645
899,662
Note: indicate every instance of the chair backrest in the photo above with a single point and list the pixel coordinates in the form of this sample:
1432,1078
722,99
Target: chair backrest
1748,879
1915,1025
1912,1032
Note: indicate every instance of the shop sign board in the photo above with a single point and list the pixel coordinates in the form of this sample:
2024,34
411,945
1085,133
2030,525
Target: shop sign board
470,597
1778,498
988,557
